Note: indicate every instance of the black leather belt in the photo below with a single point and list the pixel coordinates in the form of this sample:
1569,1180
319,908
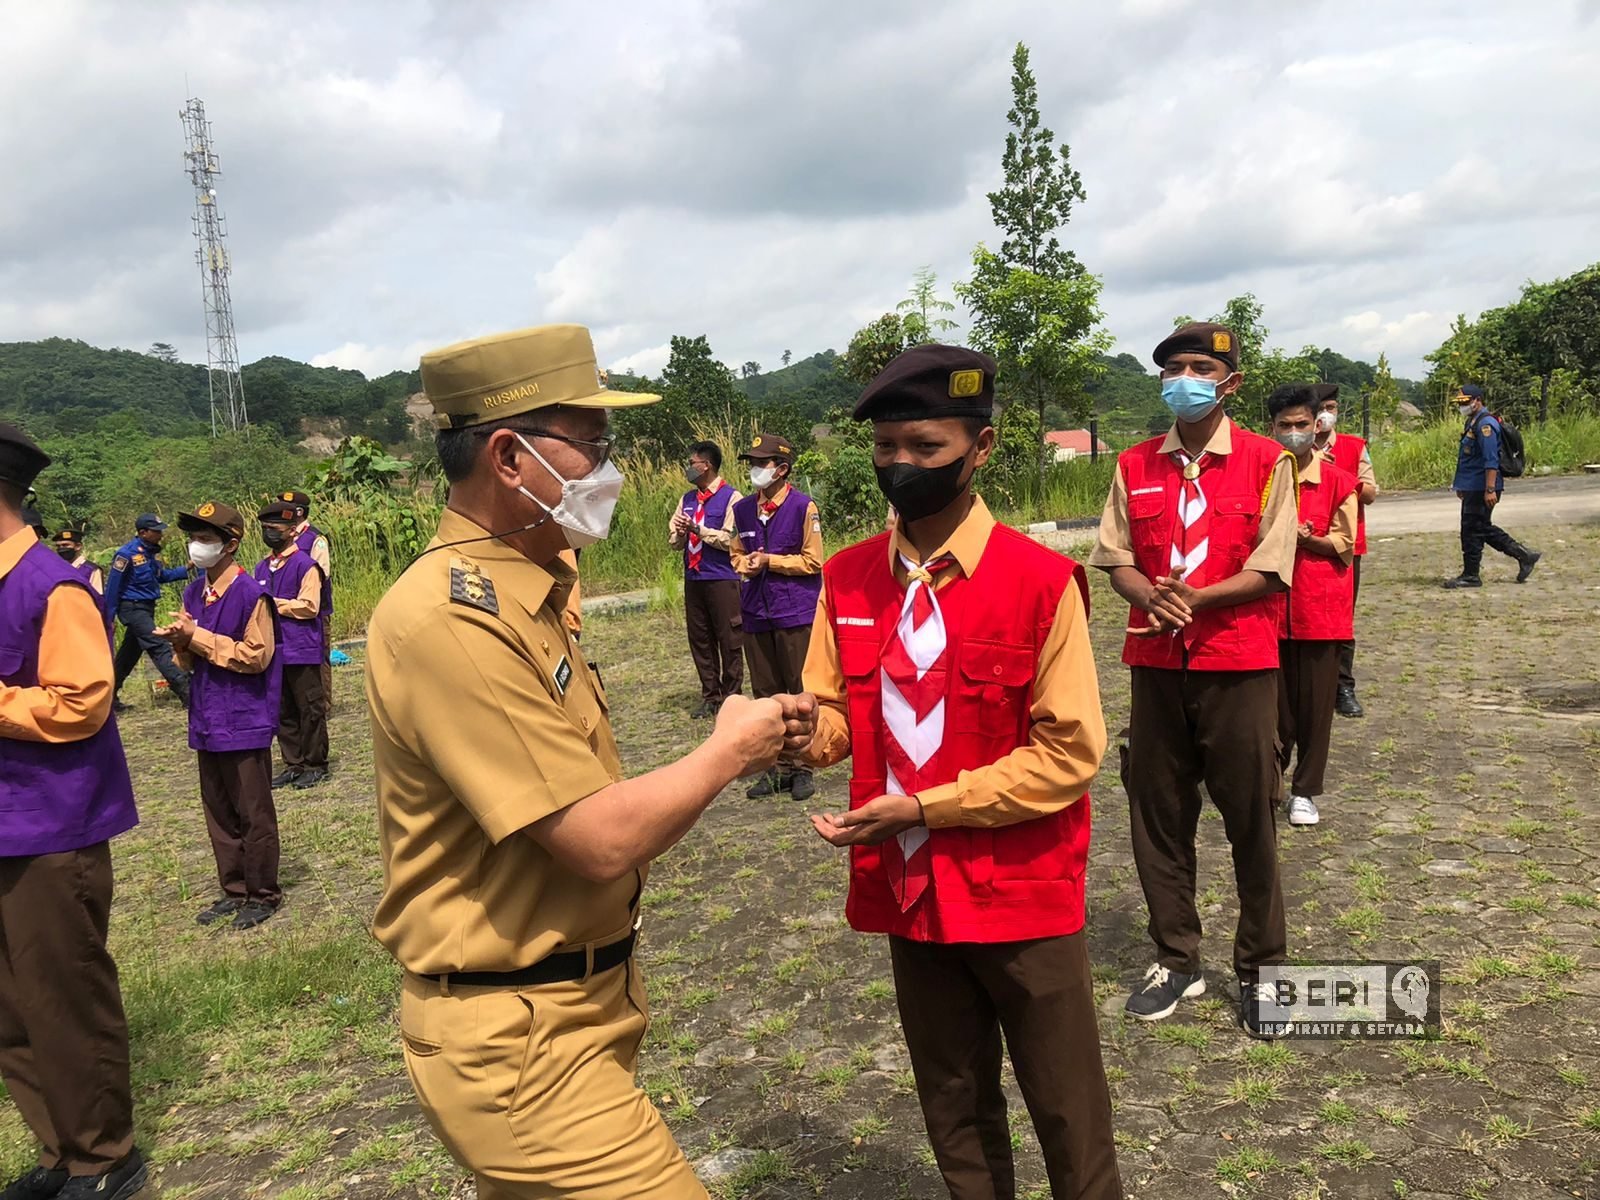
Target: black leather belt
566,967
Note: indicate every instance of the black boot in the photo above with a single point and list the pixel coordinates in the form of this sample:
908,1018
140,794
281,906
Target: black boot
1463,581
1346,704
1529,560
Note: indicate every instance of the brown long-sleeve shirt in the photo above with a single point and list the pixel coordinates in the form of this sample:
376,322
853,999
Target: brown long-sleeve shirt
248,655
72,699
1052,770
807,562
1275,540
307,603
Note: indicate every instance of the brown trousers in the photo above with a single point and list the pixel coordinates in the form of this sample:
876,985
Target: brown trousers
1347,650
955,1002
711,611
1306,695
777,660
1216,727
63,1035
303,719
236,788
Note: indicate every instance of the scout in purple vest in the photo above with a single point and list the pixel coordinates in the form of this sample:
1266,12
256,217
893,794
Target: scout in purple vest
702,527
64,793
227,633
297,586
69,545
777,553
315,543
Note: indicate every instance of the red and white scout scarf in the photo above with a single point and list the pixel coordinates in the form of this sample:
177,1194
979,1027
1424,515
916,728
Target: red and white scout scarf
914,677
1191,532
700,499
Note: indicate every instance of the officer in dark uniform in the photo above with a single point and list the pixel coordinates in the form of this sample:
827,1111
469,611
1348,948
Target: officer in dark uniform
1479,483
131,593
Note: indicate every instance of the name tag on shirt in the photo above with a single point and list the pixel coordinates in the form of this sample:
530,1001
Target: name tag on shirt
563,676
868,622
1146,491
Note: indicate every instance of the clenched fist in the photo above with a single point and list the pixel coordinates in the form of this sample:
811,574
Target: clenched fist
753,731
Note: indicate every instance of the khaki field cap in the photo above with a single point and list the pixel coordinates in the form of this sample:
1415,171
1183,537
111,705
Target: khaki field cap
504,374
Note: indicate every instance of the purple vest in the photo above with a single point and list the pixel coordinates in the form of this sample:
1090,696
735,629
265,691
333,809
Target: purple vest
770,600
87,569
714,563
300,642
229,710
305,541
54,797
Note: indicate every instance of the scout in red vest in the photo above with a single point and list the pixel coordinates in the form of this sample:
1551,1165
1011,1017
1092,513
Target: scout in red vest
702,527
227,633
64,794
1318,614
777,554
1198,535
1348,453
950,660
295,581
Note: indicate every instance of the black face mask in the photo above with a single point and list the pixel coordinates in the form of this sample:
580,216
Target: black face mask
67,552
274,537
918,492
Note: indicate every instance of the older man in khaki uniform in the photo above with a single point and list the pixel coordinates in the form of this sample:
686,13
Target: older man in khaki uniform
514,849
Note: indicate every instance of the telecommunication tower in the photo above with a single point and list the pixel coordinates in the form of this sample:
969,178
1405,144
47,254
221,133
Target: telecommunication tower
210,233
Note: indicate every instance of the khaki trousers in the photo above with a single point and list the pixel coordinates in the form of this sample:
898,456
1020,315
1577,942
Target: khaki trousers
63,1036
532,1089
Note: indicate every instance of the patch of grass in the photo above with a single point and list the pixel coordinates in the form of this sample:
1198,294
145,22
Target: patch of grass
1580,900
1246,1165
1398,1117
1535,873
878,989
1336,1112
1482,967
1552,965
1524,828
1349,1151
768,1166
1590,1119
1195,1037
1527,905
1502,1130
1572,1077
1256,1091
1270,1056
1362,922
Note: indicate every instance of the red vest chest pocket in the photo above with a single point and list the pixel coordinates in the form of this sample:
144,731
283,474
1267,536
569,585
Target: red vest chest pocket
1146,527
1234,522
994,687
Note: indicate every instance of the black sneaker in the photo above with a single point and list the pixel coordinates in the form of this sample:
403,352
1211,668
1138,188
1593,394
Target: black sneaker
37,1184
770,784
310,779
1252,999
701,711
252,913
803,787
125,1179
1528,564
1161,990
225,907
1463,581
287,776
1346,704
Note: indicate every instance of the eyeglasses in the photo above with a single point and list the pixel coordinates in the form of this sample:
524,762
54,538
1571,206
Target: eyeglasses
598,449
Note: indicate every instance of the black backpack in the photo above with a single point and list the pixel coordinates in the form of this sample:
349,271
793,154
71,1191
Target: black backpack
1513,454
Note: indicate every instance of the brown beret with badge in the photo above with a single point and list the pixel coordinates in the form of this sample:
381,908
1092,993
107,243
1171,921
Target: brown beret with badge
1200,337
295,500
765,446
69,537
213,517
21,460
930,383
505,374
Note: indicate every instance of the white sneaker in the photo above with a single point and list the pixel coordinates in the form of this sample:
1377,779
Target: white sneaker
1302,811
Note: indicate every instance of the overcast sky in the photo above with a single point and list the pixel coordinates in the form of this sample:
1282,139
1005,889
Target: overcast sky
403,174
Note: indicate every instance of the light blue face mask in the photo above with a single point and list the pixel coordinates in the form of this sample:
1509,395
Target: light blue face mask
1190,399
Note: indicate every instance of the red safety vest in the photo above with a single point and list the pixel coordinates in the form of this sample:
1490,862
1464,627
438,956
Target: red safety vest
1245,636
988,885
1347,452
1321,604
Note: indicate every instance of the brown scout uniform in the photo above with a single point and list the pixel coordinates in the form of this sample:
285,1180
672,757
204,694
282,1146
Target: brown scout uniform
486,719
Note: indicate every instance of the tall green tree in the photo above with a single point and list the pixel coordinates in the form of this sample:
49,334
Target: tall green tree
922,311
1382,395
1034,307
695,388
873,347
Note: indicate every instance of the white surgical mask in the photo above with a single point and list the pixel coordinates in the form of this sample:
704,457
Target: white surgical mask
1326,421
584,512
205,555
763,477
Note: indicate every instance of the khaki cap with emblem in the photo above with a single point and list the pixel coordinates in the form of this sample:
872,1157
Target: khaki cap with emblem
214,518
504,374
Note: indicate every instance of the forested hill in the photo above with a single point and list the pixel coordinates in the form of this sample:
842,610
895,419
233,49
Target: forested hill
60,387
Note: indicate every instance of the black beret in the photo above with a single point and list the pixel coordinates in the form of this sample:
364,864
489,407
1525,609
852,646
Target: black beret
74,536
929,383
279,511
1323,392
20,459
1200,337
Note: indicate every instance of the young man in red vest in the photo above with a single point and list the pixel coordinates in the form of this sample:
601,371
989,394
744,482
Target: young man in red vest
1318,614
1348,453
1198,535
950,660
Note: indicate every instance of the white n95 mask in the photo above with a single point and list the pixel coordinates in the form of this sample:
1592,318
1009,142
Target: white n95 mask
584,511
